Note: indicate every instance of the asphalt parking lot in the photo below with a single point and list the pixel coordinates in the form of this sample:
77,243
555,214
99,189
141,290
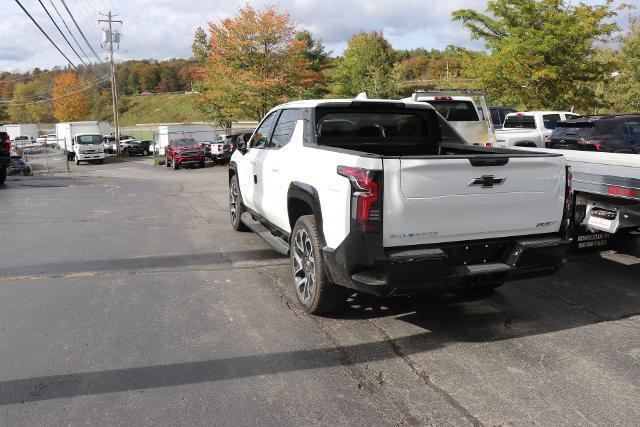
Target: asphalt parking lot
126,298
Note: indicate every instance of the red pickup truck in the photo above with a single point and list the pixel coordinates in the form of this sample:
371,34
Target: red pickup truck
184,151
5,155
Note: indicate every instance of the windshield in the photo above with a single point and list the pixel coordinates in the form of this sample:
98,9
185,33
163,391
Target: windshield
89,139
520,122
456,111
573,130
185,143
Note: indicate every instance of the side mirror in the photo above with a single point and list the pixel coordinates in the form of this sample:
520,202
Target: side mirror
242,146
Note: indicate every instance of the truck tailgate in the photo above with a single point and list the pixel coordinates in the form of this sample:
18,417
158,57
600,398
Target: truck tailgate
433,200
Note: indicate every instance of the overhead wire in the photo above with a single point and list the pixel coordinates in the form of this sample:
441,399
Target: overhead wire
64,3
81,83
65,38
51,99
46,35
68,29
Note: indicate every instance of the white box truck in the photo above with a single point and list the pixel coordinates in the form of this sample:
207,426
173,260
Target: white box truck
22,135
82,141
201,133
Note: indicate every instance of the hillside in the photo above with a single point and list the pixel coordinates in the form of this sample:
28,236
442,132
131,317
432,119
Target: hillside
165,108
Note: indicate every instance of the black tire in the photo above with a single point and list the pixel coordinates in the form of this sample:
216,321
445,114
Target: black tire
101,161
201,164
236,208
77,161
3,174
175,165
166,163
321,296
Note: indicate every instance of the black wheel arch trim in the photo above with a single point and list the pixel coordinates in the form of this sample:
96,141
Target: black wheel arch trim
309,195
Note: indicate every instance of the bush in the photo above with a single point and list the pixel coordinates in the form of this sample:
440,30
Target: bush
159,160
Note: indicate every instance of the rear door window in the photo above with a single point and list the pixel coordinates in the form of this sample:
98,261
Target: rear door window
550,121
456,111
574,131
285,127
520,122
495,117
632,129
262,135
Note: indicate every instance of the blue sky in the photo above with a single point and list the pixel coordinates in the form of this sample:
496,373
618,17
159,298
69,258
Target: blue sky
163,29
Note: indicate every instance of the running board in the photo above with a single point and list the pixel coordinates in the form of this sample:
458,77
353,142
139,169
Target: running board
276,243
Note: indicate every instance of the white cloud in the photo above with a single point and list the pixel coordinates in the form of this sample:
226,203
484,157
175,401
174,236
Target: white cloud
164,29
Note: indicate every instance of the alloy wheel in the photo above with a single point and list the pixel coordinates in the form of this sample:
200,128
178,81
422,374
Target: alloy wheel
304,266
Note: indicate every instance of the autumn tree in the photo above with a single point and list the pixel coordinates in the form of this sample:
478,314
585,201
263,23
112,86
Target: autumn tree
254,63
28,103
70,102
368,66
622,88
541,52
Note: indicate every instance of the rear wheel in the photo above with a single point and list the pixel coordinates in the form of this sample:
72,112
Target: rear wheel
202,163
235,205
312,287
145,153
3,174
77,161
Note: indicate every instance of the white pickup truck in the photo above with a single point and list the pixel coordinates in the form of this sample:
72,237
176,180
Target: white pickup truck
384,197
529,129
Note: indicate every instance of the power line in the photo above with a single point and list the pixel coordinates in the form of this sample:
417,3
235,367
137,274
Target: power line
46,35
78,27
12,103
65,38
95,82
68,29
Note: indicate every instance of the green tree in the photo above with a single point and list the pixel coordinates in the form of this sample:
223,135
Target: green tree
200,46
542,53
318,59
27,106
623,88
4,114
367,66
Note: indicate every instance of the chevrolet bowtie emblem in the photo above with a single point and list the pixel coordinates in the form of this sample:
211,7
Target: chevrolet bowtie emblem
487,181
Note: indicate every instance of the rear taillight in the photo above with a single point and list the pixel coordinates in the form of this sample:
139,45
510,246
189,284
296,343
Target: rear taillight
595,143
6,143
366,201
622,191
569,202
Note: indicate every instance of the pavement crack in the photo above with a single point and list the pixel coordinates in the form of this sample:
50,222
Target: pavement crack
424,377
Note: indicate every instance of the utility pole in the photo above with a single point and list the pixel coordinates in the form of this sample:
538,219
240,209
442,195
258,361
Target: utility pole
109,37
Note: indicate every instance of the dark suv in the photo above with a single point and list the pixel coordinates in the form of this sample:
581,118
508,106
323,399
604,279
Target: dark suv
612,134
5,155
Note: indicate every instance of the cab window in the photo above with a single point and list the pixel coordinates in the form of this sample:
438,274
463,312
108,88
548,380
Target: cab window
284,128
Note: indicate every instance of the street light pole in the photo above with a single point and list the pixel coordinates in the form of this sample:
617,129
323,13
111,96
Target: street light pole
114,87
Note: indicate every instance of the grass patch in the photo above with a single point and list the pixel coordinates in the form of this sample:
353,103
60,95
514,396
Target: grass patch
163,108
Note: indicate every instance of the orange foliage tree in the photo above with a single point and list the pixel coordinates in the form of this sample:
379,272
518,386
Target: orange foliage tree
254,63
70,102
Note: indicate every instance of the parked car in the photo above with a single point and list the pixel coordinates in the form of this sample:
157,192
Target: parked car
498,114
110,143
385,198
5,155
530,129
19,166
142,148
184,151
233,140
612,133
220,152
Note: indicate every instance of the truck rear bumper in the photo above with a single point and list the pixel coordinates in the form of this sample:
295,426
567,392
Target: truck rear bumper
414,270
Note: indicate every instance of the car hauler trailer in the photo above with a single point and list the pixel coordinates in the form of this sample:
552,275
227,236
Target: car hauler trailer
607,188
83,149
201,133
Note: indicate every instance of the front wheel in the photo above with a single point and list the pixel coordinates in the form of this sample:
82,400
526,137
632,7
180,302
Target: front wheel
312,287
77,161
235,205
176,166
201,163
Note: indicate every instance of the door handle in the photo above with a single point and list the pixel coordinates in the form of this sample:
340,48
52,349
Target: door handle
255,179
